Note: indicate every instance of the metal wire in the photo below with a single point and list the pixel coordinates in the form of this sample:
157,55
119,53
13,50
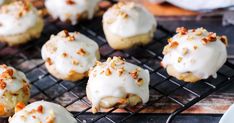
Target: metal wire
27,58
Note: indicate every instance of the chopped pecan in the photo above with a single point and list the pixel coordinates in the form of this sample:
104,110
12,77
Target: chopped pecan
2,84
140,81
108,72
182,30
134,74
75,62
180,59
121,71
224,39
66,33
40,109
174,44
19,106
81,52
49,61
70,2
71,38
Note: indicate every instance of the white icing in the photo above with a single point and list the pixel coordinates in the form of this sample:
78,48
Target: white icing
100,85
201,4
60,9
203,62
11,23
64,64
14,83
50,110
138,20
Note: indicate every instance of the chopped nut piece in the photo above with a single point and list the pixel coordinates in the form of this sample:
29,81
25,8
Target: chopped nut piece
26,88
2,84
113,65
64,54
70,2
182,30
140,82
169,40
185,51
195,47
19,106
75,62
71,38
10,72
66,33
134,74
108,72
50,120
98,63
123,14
210,38
40,109
180,59
7,74
121,71
224,39
174,44
34,117
81,52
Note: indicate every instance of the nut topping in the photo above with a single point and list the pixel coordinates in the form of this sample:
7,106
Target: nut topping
2,84
49,61
224,39
40,109
108,72
180,59
81,52
121,71
140,82
210,38
134,74
174,44
70,2
182,30
19,106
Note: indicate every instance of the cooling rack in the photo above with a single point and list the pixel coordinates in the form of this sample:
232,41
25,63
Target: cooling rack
163,88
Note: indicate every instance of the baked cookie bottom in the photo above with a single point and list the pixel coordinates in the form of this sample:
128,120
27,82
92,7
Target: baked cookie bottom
31,33
9,101
72,76
110,101
119,42
187,77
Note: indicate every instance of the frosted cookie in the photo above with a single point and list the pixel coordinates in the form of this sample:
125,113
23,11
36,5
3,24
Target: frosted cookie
128,24
117,83
42,112
69,55
195,54
19,23
72,10
14,90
